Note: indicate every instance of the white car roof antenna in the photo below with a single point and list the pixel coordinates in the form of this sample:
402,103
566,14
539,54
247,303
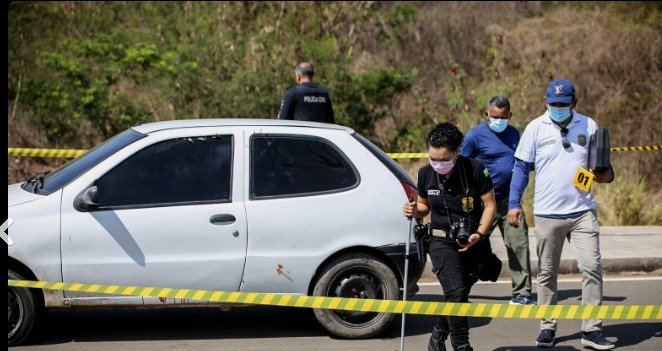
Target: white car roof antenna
155,111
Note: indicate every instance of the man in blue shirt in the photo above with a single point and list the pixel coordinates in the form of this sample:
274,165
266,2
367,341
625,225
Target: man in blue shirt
493,144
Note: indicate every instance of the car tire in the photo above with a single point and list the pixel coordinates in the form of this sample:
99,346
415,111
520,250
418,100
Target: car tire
22,311
361,276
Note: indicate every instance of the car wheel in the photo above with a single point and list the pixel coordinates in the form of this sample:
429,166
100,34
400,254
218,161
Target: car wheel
356,276
21,308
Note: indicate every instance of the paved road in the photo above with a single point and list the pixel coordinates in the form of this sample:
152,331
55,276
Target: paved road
267,328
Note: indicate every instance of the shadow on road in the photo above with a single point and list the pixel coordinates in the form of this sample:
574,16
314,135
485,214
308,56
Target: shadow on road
625,337
195,323
176,324
621,334
568,294
529,348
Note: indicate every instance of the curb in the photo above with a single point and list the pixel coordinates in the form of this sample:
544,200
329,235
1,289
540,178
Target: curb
623,248
569,266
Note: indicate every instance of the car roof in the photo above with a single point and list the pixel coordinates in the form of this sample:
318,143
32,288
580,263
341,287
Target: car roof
221,122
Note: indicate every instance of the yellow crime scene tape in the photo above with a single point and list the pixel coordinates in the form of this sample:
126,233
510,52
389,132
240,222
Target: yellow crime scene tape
650,312
72,153
28,152
617,149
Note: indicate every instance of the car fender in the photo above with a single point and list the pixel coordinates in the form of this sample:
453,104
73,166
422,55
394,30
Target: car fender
36,236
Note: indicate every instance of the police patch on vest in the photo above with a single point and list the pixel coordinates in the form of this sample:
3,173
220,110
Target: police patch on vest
467,204
581,139
315,99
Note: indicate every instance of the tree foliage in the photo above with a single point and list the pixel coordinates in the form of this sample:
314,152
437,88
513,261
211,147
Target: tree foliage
80,72
94,69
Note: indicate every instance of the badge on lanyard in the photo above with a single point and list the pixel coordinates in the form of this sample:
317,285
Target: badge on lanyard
467,204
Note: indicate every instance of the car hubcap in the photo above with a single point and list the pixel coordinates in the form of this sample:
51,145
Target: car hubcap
360,286
14,311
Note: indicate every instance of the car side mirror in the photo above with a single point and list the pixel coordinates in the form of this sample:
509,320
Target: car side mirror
89,199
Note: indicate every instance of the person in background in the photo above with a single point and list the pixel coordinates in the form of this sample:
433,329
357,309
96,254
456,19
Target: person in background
458,193
306,101
557,144
493,144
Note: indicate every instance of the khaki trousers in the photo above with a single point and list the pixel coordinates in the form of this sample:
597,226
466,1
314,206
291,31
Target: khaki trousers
517,248
583,234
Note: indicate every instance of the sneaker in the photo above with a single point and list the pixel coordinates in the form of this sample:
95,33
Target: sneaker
595,340
546,338
522,300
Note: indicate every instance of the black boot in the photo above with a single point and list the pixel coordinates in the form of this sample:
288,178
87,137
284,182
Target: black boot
438,340
466,347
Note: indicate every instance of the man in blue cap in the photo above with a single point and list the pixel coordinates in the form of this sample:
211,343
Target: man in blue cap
557,144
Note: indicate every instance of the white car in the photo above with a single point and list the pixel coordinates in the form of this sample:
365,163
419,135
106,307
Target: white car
218,204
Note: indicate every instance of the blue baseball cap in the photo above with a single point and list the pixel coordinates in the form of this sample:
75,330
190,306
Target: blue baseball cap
560,90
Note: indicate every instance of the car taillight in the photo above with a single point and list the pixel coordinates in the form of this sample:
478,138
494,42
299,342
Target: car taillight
410,191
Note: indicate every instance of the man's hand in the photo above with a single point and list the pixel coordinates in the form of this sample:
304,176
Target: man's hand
603,177
514,216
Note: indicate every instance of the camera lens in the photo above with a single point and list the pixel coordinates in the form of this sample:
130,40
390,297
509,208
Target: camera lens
462,237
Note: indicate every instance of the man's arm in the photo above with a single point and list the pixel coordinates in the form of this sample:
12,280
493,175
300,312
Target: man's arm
518,183
287,105
469,147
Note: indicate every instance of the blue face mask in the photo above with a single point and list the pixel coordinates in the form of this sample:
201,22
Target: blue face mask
498,124
558,114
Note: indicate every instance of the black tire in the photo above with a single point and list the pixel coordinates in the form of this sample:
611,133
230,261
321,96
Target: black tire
356,275
22,311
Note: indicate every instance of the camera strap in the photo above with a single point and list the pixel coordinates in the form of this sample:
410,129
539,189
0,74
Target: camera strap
465,185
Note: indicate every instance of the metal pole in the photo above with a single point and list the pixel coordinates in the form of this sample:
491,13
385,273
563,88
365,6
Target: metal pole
404,284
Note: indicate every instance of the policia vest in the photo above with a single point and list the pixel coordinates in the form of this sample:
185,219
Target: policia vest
307,102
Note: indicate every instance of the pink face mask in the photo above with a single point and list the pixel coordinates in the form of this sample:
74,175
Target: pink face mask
442,167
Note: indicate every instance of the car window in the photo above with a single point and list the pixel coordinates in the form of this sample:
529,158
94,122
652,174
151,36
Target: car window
295,165
174,171
393,166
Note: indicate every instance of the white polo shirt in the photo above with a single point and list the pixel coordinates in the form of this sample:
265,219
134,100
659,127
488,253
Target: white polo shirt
555,166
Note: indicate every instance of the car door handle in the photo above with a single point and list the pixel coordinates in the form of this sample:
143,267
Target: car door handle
222,219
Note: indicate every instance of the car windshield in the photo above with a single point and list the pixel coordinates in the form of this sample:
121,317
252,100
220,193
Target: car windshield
55,180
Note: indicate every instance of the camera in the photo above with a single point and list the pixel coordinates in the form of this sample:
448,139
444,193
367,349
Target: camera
460,231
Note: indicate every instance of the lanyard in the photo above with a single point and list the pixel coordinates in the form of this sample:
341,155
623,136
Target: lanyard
465,186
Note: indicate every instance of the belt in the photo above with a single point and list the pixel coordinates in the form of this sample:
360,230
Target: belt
440,233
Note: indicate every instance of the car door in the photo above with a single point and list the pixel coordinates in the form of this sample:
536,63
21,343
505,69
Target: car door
170,214
300,194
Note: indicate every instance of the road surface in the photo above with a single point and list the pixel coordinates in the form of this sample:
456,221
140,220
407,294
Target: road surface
274,328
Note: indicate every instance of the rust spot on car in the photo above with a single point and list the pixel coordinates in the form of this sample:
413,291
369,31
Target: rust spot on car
280,269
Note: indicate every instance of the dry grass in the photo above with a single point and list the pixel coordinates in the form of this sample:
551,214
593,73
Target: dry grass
628,200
